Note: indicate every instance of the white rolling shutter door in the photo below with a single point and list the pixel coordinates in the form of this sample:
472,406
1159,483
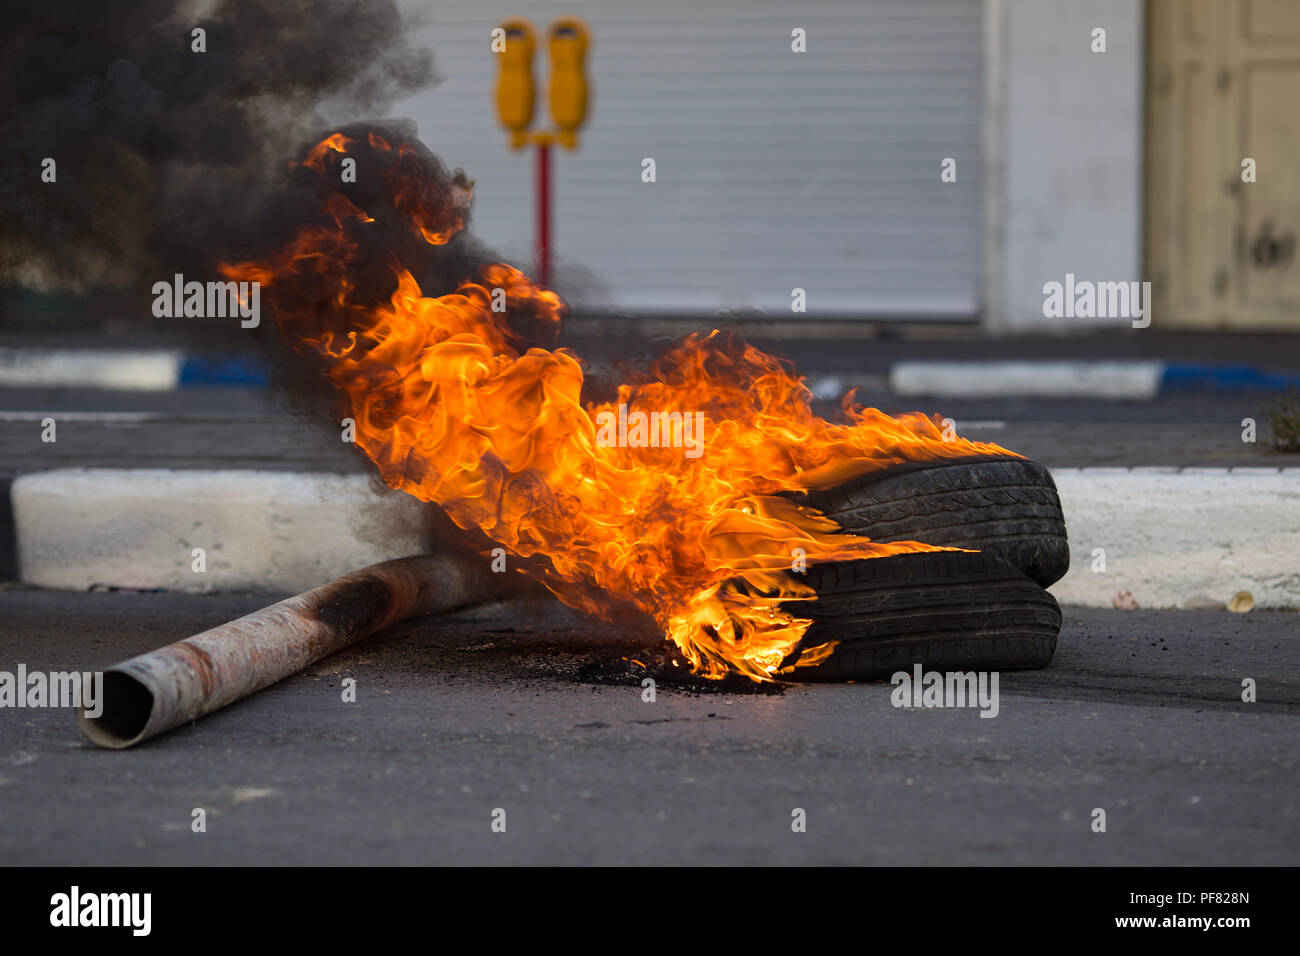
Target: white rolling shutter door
775,169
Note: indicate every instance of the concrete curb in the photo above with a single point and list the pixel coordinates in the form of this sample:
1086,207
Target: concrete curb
1117,380
1168,535
1120,380
78,528
1165,534
131,370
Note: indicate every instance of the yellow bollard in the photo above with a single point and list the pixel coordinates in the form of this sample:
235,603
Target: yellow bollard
568,47
515,91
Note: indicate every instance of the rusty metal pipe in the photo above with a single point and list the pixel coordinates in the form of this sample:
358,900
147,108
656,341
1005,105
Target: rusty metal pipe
155,692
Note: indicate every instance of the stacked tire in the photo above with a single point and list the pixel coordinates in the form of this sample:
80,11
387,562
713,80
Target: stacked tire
945,610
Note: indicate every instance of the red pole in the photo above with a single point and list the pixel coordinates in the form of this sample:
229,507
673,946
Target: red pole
544,214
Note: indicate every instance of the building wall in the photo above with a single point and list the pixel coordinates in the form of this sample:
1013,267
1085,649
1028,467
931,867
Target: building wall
1072,155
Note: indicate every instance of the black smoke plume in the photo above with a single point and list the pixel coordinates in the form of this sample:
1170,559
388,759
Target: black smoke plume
170,160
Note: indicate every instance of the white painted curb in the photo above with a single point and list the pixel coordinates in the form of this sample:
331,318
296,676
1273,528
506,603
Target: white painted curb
154,370
260,530
1170,535
1113,380
1167,535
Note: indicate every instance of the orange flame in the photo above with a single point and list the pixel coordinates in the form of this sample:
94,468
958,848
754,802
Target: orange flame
452,411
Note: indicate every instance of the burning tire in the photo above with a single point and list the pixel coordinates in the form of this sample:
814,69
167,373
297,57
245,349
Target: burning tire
946,610
1006,506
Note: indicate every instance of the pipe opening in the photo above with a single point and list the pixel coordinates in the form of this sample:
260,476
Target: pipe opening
127,706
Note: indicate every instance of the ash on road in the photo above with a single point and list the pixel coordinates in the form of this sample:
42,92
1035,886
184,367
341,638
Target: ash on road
527,709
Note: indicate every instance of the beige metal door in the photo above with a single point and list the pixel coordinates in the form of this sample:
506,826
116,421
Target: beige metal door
1223,86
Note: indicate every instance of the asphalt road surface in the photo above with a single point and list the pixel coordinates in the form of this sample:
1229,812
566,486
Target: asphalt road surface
236,428
525,708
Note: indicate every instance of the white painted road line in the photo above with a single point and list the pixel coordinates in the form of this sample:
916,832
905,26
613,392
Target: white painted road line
137,418
130,418
155,370
1109,380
